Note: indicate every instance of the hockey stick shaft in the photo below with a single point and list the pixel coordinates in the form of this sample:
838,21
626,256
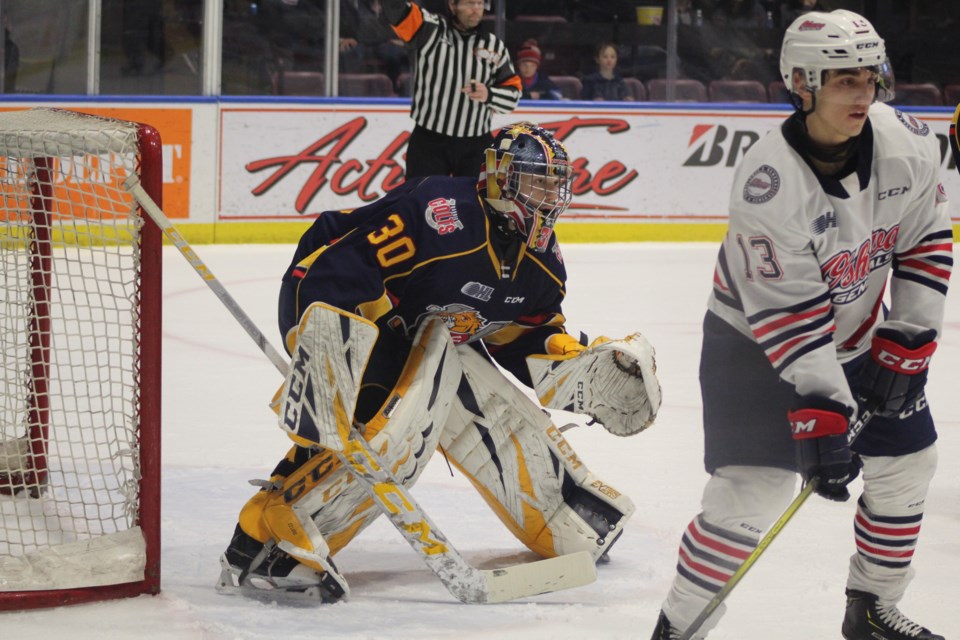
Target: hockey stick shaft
132,185
465,582
769,537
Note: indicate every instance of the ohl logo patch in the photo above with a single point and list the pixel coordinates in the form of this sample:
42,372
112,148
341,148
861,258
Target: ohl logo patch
762,185
442,215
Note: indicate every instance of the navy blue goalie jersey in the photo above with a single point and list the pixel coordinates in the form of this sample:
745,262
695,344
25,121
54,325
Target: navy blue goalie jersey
428,248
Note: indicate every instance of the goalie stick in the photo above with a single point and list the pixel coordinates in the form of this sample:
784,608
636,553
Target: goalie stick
465,582
774,531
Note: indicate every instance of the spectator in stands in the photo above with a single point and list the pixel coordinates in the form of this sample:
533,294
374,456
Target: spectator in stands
686,13
295,31
728,47
606,83
536,85
739,14
143,33
793,9
11,58
366,39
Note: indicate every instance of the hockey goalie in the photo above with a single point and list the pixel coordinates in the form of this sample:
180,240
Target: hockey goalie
399,318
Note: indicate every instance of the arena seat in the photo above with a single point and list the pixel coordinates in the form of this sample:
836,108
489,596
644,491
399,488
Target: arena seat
685,90
736,91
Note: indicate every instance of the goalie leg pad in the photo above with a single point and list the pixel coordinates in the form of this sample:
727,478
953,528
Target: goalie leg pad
320,391
614,382
404,433
314,503
525,469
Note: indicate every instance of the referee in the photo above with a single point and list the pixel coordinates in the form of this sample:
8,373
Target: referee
462,76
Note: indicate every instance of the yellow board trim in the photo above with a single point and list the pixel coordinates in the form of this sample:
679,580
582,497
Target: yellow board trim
567,232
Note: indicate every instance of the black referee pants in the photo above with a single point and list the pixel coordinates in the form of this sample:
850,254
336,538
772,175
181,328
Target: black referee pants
434,154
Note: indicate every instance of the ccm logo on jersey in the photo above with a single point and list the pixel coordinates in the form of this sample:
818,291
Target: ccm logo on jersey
890,193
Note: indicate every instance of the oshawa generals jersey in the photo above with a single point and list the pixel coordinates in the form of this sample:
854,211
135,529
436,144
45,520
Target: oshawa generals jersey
428,248
806,258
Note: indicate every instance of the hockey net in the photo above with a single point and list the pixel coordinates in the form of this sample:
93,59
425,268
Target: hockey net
80,334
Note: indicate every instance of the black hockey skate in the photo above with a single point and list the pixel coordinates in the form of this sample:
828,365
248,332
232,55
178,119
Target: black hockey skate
663,630
265,572
867,619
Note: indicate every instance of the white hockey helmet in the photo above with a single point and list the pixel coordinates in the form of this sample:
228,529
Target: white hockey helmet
840,39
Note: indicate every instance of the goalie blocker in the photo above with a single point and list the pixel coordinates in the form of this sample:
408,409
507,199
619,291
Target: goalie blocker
501,440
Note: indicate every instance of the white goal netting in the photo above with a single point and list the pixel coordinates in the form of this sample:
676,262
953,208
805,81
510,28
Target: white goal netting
70,267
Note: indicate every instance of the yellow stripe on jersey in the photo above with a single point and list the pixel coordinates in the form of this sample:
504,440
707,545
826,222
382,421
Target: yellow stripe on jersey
375,309
513,331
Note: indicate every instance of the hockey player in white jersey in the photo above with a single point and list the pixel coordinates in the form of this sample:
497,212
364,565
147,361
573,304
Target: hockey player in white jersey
825,210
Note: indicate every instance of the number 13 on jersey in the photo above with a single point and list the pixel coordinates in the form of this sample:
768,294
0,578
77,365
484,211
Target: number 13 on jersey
761,246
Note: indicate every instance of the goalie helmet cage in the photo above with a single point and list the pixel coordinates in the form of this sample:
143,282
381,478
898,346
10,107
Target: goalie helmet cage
80,313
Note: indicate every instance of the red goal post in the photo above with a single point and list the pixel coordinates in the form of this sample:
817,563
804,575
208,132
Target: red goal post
80,331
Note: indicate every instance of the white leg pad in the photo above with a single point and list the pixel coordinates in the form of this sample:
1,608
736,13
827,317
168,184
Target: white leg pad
320,391
525,469
405,433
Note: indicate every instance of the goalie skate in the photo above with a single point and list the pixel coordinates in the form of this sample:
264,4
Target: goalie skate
274,573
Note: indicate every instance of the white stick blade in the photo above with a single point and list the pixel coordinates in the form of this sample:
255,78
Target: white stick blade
545,576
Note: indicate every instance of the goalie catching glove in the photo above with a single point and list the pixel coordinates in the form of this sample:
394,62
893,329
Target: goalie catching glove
613,381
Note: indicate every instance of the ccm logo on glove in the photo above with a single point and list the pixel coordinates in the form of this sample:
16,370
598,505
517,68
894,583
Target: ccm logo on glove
816,423
902,359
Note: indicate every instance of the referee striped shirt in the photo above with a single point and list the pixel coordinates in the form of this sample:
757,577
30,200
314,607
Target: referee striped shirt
446,60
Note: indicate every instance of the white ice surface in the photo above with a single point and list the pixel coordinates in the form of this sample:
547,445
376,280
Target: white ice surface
218,433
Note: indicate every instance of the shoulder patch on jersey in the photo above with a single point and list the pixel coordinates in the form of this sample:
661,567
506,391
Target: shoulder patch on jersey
441,215
762,185
918,127
941,194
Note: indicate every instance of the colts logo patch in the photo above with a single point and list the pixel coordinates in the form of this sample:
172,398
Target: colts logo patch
917,127
442,215
762,185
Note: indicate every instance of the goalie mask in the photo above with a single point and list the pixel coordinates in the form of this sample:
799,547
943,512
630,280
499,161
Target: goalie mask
817,43
527,182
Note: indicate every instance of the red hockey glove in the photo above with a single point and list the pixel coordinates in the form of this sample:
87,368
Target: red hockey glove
819,426
897,371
